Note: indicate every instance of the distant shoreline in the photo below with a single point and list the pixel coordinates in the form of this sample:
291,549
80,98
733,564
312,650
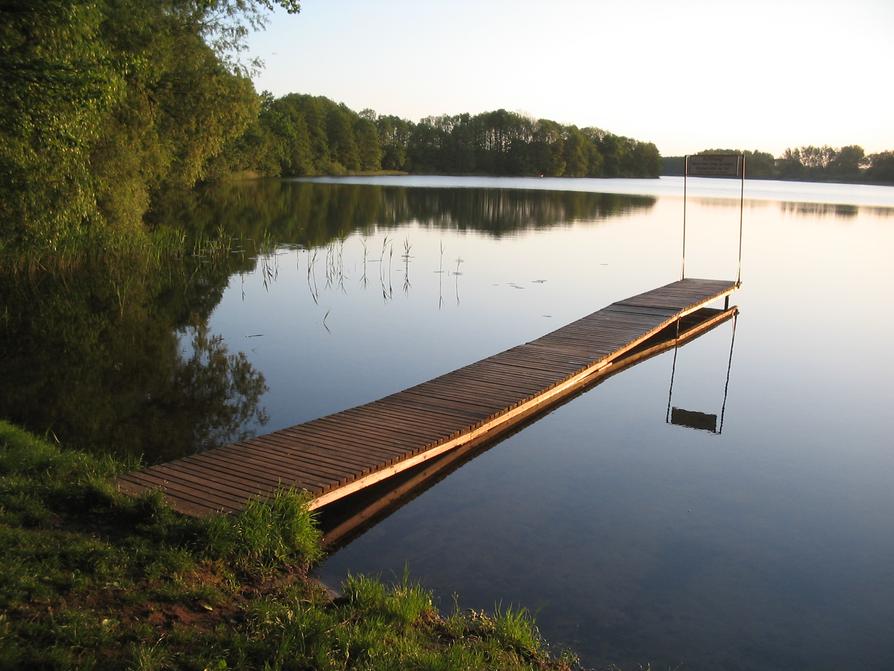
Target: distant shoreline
248,175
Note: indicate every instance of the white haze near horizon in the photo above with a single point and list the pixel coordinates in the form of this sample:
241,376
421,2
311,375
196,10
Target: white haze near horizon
765,74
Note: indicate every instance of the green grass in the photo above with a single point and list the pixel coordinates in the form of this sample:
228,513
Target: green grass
266,534
96,580
515,627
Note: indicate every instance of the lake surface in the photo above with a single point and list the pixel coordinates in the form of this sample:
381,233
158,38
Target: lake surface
768,546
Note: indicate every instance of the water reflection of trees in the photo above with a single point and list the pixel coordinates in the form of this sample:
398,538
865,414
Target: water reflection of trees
312,214
801,209
120,359
827,210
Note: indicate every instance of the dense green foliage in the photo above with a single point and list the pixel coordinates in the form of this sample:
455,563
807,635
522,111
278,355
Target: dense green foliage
306,135
104,103
820,164
96,580
506,143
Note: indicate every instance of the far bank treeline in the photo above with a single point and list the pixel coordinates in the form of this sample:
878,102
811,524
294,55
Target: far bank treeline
298,135
812,164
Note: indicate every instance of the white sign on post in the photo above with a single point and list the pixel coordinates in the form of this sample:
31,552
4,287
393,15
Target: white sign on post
714,165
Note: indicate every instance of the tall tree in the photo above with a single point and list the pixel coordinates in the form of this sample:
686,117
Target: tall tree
881,167
394,137
577,158
368,150
342,144
548,148
847,161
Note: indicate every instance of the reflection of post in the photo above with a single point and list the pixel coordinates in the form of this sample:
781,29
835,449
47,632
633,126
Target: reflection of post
673,371
694,419
729,367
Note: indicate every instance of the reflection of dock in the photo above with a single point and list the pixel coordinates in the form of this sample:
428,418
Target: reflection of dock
341,454
350,516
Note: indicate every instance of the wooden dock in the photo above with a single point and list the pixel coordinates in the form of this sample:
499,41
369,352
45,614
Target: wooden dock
343,453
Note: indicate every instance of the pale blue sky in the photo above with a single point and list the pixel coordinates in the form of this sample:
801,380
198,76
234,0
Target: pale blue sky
762,74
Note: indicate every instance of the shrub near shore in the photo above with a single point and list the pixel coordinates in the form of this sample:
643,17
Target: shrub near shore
96,580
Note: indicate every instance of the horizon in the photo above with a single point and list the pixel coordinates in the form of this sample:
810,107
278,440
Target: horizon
768,97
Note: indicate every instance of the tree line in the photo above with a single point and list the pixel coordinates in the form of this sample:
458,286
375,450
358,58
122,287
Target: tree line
809,163
298,135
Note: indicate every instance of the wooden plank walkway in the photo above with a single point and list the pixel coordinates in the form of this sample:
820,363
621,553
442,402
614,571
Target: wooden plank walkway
340,454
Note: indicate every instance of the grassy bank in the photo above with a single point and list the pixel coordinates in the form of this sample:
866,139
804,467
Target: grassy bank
95,580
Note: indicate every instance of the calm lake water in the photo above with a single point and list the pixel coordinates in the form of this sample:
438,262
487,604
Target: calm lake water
769,546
